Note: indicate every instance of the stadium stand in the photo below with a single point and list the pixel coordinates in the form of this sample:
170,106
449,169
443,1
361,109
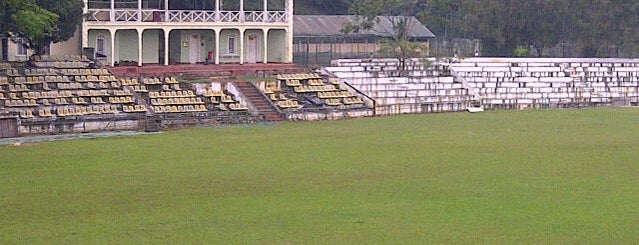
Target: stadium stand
312,91
419,89
54,89
519,83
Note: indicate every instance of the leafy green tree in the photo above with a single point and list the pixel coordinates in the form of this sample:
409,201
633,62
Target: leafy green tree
401,14
69,14
41,22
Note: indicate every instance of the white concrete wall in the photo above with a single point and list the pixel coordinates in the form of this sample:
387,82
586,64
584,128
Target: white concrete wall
151,46
126,45
276,47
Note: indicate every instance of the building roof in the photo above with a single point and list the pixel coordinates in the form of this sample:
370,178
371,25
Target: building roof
332,25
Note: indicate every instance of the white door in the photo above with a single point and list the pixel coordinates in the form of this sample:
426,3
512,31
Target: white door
253,49
194,48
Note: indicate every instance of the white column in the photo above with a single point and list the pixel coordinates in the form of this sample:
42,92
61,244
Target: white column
242,11
265,51
242,46
166,46
265,18
166,10
217,46
217,11
140,32
289,31
112,13
85,36
113,32
139,10
85,31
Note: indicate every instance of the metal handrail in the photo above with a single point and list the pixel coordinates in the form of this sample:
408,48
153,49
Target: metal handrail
471,89
365,95
277,109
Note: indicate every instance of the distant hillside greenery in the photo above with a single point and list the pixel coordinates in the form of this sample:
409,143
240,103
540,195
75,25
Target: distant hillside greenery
596,28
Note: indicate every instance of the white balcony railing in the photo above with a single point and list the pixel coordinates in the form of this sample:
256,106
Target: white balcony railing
181,16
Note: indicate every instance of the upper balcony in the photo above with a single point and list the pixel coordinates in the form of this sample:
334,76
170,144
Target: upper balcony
160,11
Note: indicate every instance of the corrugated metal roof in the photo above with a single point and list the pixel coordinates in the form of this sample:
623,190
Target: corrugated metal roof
332,25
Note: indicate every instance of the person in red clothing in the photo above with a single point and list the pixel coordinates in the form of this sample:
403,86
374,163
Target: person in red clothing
210,56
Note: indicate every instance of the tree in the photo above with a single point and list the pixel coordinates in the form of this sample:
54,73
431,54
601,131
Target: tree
401,15
70,17
41,22
30,21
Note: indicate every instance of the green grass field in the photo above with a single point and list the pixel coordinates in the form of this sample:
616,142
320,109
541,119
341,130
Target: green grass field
505,177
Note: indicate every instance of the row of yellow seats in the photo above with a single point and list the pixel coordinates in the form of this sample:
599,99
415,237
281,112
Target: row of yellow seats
170,80
27,114
129,81
4,80
177,101
5,65
353,100
171,94
223,99
333,102
41,79
178,109
134,108
213,93
20,103
288,104
103,85
28,80
299,76
83,101
117,92
305,89
121,100
293,83
94,93
92,78
13,73
334,94
42,95
87,110
237,107
65,86
138,88
167,87
316,82
85,72
74,100
18,87
275,97
40,72
149,81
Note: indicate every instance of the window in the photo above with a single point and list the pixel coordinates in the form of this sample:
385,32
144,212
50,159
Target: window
231,44
22,46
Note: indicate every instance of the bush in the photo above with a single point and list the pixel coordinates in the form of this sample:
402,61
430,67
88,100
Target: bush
521,52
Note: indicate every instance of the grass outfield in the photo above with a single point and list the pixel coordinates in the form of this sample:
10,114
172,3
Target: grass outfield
505,177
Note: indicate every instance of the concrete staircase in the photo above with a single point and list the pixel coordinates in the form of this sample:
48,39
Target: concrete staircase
261,103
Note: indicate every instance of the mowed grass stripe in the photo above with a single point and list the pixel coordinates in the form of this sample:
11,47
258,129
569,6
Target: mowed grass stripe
537,177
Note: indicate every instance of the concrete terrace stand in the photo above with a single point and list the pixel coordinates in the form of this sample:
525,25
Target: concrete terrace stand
517,83
422,88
